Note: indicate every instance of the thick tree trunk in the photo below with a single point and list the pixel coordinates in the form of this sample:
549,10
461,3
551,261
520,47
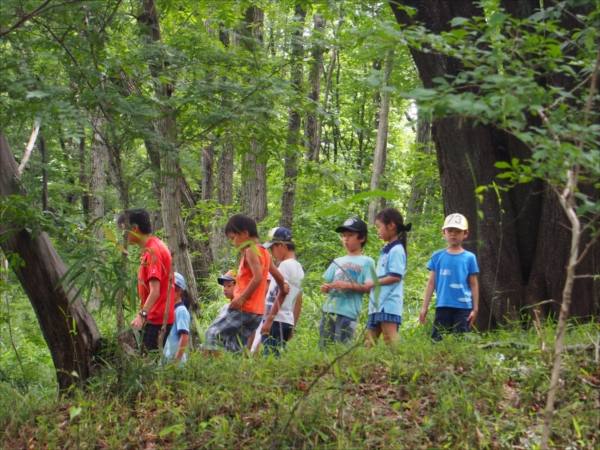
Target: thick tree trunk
380,155
69,330
420,182
311,127
523,240
292,151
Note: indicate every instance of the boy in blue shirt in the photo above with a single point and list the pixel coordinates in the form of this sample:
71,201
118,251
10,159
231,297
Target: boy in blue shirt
453,275
345,283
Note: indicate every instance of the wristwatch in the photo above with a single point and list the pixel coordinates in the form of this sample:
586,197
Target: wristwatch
143,313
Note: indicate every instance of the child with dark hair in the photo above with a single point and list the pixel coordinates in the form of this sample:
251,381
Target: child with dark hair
246,310
345,283
385,310
153,278
176,345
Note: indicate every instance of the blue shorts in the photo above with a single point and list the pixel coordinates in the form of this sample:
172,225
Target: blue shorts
376,318
336,328
450,320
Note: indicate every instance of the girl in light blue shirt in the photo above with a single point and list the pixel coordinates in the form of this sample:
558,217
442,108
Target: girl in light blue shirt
385,306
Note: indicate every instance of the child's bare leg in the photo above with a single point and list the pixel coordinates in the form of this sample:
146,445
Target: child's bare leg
390,332
207,352
372,336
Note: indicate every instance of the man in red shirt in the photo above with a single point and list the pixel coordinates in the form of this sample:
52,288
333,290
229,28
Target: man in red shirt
153,279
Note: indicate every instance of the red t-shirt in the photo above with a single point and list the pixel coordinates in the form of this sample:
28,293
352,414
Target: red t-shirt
156,263
256,303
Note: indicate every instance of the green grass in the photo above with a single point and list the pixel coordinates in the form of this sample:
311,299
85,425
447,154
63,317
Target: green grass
455,394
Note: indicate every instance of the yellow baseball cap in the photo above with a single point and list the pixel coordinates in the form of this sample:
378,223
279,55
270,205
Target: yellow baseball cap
456,221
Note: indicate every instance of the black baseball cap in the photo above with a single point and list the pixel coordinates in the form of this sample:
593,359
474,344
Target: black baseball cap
353,224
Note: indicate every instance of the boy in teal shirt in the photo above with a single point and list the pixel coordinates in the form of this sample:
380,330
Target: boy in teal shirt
345,279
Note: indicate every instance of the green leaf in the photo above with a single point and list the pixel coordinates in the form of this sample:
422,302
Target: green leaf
74,412
458,21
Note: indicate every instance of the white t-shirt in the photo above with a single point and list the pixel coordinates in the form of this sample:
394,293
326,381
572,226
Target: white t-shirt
292,272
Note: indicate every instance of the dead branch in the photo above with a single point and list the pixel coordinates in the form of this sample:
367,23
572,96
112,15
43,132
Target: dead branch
29,148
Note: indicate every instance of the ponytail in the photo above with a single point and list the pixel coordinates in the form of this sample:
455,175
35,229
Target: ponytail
392,215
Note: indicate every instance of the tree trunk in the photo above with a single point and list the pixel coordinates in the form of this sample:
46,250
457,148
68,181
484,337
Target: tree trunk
166,143
419,183
98,157
311,127
291,159
45,174
69,330
254,165
224,194
525,229
83,179
254,182
380,155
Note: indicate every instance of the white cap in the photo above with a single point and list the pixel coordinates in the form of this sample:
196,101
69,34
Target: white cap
456,221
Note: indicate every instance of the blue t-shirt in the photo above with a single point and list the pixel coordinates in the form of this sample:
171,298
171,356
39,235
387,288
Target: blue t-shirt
391,262
452,278
355,269
181,325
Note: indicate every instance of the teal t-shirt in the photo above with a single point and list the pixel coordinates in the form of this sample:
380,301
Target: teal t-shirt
354,269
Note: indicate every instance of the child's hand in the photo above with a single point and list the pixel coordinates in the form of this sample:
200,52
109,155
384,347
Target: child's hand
369,284
325,288
286,289
266,328
422,316
339,285
237,303
471,318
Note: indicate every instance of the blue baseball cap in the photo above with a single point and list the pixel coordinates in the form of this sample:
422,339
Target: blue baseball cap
278,234
179,280
223,278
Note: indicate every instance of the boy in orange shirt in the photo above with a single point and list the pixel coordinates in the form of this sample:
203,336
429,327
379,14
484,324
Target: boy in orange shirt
232,330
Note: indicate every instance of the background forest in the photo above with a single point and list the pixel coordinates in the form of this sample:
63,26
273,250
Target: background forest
300,114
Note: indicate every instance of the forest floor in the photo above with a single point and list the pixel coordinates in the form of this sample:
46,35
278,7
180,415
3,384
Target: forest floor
487,391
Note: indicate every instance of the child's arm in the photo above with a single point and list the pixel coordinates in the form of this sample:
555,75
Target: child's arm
253,263
382,281
283,287
183,342
427,298
474,285
347,286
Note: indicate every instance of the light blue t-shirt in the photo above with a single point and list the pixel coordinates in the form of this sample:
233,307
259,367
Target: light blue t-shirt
354,269
391,262
181,325
452,278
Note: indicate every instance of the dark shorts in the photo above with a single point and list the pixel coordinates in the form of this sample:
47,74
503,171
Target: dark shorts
150,333
231,331
450,320
376,318
336,328
276,339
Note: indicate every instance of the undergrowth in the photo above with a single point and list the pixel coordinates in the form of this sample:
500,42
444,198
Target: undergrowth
460,393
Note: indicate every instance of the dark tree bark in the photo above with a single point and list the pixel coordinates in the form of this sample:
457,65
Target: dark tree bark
292,151
523,243
69,330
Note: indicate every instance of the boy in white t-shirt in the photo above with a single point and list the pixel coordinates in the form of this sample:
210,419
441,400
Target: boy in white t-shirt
281,319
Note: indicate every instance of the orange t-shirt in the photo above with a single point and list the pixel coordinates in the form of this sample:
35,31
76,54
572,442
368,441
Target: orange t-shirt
256,303
156,263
